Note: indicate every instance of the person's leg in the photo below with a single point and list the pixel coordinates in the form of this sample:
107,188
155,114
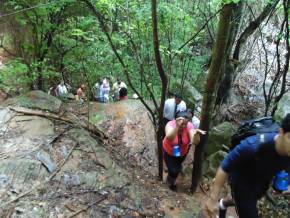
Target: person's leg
224,203
245,202
174,168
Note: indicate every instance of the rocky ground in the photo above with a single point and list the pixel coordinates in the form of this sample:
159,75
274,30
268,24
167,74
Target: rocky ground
51,167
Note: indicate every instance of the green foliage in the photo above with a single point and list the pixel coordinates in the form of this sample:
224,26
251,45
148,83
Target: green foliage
79,49
230,1
15,73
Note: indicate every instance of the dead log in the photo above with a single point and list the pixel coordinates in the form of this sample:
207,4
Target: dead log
80,123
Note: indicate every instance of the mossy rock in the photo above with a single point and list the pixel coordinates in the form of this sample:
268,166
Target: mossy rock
213,162
283,108
218,136
36,100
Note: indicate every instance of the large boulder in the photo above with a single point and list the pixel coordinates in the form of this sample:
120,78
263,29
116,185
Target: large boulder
219,136
190,94
213,162
125,122
36,100
283,108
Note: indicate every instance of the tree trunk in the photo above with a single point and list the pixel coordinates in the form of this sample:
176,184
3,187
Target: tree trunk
228,69
218,58
164,81
231,64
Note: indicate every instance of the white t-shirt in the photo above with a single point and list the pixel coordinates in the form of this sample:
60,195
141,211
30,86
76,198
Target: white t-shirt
169,107
117,87
61,90
195,121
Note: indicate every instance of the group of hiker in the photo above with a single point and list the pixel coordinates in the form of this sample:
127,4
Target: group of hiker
259,159
101,91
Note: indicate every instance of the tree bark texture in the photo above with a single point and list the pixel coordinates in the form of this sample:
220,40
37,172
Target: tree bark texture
218,58
164,81
228,69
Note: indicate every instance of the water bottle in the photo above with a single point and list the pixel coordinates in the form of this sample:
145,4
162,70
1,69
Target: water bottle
281,181
176,151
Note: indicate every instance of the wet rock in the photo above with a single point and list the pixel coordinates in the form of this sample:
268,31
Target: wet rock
4,180
122,121
5,115
91,170
112,175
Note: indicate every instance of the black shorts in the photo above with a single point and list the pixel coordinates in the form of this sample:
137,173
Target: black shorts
174,164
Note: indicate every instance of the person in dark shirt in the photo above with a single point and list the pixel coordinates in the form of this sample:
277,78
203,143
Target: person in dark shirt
249,169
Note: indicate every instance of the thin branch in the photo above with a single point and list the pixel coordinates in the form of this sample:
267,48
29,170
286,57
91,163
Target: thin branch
200,29
26,9
138,58
250,29
88,206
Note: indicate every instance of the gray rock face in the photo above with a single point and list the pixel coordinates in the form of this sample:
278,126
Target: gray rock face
218,136
106,173
283,108
91,172
36,100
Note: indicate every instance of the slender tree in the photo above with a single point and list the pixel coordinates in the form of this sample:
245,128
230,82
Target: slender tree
156,120
164,82
218,59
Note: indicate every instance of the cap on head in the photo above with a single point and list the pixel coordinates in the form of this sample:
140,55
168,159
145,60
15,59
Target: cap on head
177,95
183,114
